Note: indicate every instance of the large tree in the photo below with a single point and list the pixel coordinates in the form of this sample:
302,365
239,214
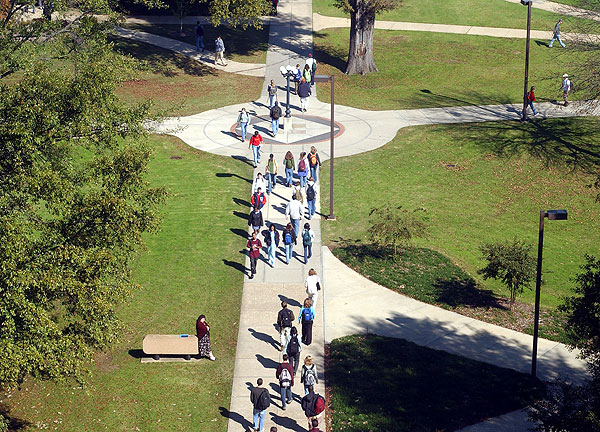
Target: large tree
362,24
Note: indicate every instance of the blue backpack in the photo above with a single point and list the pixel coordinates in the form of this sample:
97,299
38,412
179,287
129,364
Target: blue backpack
306,315
287,237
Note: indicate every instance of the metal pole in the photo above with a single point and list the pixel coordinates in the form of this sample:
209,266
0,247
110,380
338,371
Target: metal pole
524,114
538,282
287,109
331,137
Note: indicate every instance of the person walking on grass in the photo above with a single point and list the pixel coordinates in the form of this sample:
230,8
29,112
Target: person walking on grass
272,241
258,199
220,51
285,319
255,143
261,400
275,115
311,198
254,246
272,93
308,376
255,219
289,239
285,375
271,173
243,120
304,93
308,236
295,211
566,88
314,161
306,317
303,169
313,286
199,36
556,35
531,100
288,164
293,349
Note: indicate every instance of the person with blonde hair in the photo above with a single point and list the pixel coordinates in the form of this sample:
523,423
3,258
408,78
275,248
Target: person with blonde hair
309,375
314,162
313,286
306,317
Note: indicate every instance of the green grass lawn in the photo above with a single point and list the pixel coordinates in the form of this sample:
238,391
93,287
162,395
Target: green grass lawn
187,269
492,13
246,46
183,86
503,174
418,70
383,384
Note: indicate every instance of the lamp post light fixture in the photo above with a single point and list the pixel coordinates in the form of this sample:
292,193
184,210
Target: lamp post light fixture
525,101
551,215
287,72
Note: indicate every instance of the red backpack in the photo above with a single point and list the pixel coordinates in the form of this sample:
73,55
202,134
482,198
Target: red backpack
319,405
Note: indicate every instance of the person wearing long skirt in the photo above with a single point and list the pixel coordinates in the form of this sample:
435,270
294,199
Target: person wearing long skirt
307,316
203,333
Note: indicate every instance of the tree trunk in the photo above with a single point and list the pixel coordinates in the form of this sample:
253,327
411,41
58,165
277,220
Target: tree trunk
360,55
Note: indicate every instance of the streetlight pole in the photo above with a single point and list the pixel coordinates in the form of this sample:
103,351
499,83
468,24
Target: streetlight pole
551,215
287,72
525,101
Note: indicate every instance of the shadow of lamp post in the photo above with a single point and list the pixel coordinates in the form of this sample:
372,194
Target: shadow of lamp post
525,98
551,215
325,78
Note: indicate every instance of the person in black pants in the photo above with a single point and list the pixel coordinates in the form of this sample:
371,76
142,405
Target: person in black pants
307,316
293,349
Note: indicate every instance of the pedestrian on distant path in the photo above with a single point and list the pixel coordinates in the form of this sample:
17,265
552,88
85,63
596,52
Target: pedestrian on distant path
566,88
258,199
243,120
297,77
285,319
255,143
259,183
255,219
289,239
272,241
272,92
293,349
313,406
309,376
313,286
311,198
261,400
556,34
275,115
288,163
271,173
285,375
304,93
308,236
199,36
303,169
531,100
203,334
295,211
275,3
306,317
220,51
312,64
314,161
254,246
315,426
298,192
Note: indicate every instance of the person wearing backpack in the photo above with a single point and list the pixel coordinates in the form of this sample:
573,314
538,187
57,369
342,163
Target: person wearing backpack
272,92
304,92
271,173
272,241
309,375
288,164
315,426
254,246
295,211
313,286
314,162
308,236
255,219
303,169
259,183
531,100
243,120
285,375
566,88
254,144
297,78
261,400
199,36
285,318
275,114
313,405
293,349
307,316
289,239
311,198
312,65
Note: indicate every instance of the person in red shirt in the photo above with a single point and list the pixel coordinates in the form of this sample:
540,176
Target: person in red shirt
254,246
315,426
255,143
258,199
531,100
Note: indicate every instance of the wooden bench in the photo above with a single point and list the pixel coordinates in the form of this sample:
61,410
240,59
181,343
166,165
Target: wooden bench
183,344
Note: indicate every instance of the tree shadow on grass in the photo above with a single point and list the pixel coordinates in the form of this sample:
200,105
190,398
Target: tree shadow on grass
335,57
14,423
464,292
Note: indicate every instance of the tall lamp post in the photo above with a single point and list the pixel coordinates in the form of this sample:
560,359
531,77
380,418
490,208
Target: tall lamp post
525,101
287,72
551,215
325,78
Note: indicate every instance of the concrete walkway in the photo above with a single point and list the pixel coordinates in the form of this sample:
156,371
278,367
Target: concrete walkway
563,9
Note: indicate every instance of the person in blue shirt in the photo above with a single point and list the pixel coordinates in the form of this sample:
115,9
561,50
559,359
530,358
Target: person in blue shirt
306,317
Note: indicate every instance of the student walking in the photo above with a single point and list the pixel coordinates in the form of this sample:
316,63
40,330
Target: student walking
285,375
285,318
271,173
308,376
258,199
313,405
203,335
311,198
566,88
272,92
275,115
295,211
314,162
303,169
297,78
312,64
306,317
556,35
308,236
293,349
288,164
199,36
272,241
261,400
304,93
315,426
220,51
255,143
289,239
313,286
243,120
254,246
259,183
255,219
531,100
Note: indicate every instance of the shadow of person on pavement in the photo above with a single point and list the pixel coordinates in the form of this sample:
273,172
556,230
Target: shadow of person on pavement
264,337
286,423
243,159
236,265
267,362
289,301
238,418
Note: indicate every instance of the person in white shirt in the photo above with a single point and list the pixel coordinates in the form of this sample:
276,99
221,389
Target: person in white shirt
312,64
259,182
295,211
313,286
566,88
